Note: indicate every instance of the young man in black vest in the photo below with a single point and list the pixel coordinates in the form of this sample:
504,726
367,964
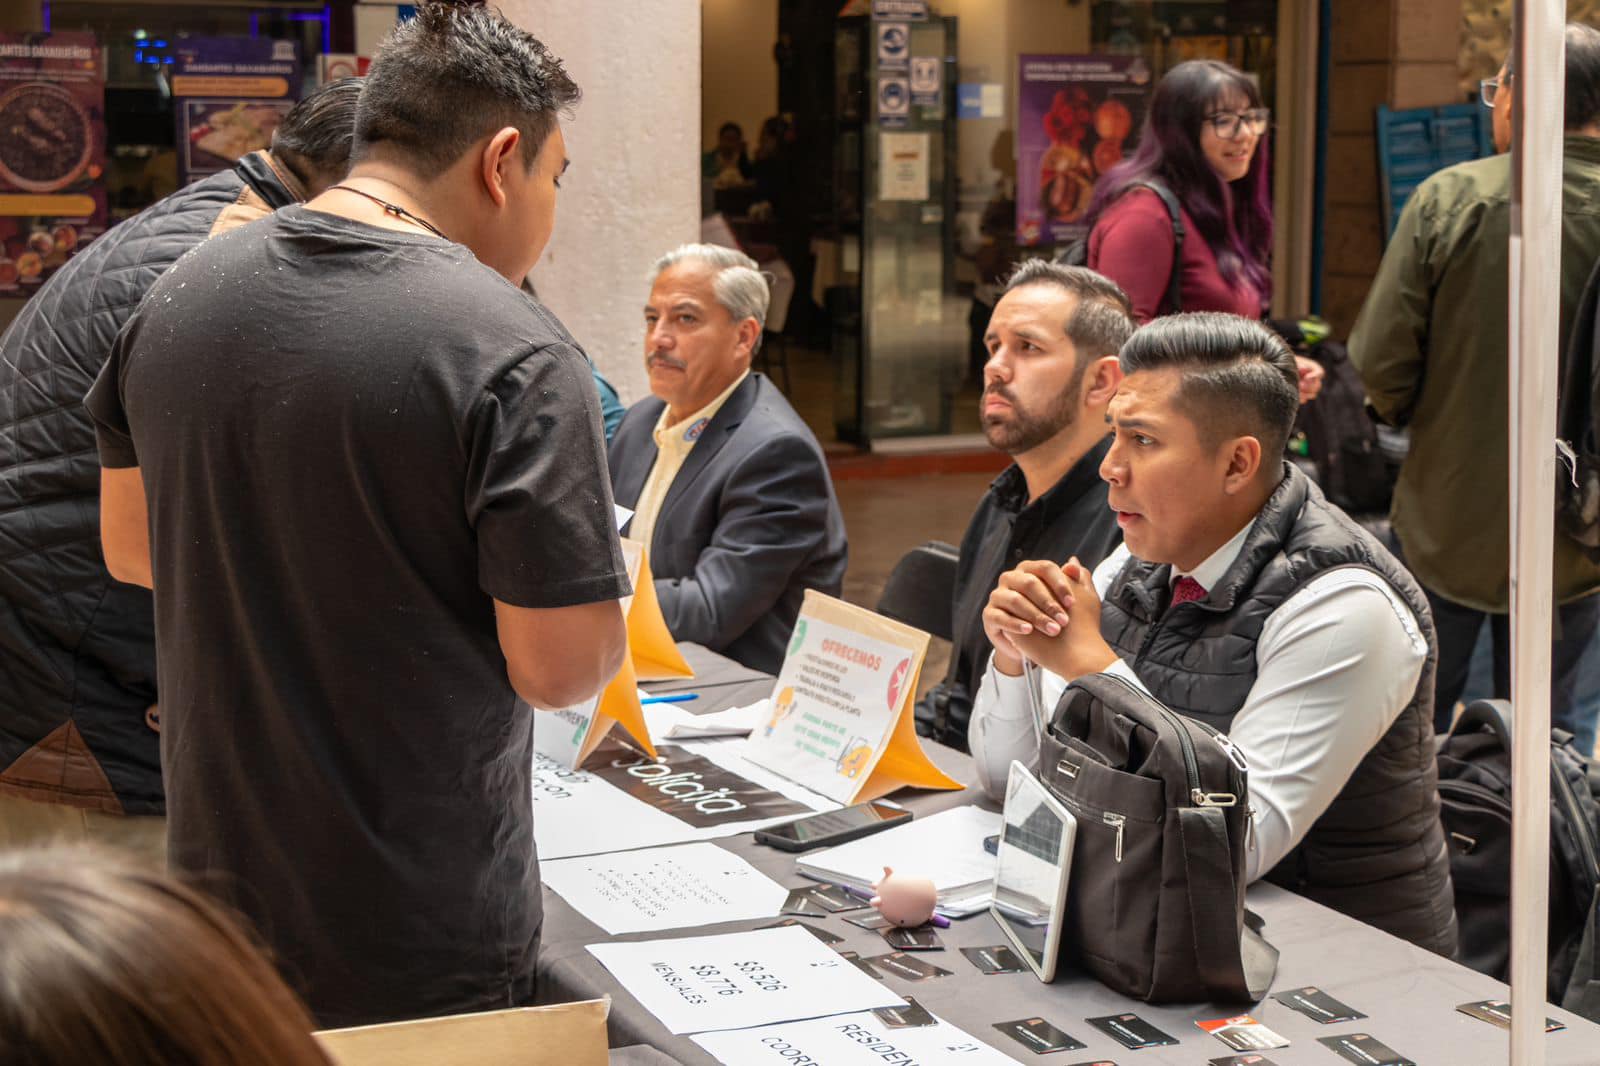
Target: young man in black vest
1244,599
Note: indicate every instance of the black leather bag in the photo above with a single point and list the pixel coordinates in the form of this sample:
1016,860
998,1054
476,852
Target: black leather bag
1155,905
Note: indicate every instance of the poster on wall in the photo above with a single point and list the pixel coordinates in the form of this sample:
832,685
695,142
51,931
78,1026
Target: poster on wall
52,153
229,94
1077,117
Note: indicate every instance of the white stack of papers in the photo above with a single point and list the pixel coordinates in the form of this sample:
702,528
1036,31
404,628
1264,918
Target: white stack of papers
701,984
664,888
947,848
851,1040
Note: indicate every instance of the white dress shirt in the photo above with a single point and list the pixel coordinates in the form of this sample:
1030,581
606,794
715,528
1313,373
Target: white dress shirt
1335,665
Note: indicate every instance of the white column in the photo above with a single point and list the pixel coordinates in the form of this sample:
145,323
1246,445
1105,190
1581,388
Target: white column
634,188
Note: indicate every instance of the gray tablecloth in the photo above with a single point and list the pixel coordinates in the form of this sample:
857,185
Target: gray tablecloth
1409,994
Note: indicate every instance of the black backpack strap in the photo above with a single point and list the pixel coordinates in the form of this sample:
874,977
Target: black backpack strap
1236,967
1495,715
1173,302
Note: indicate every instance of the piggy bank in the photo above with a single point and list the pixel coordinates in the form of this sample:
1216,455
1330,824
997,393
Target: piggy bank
905,901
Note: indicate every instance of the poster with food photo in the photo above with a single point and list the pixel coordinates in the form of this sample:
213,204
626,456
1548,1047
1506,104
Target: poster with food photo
230,94
52,153
1077,117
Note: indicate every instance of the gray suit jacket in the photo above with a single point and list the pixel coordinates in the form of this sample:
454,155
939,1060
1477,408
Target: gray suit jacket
748,525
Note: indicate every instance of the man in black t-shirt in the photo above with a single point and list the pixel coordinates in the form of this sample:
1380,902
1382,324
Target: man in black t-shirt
379,525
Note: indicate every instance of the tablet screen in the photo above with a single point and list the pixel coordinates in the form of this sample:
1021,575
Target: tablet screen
1031,867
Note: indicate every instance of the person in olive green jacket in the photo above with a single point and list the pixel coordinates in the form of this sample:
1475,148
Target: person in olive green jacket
1431,347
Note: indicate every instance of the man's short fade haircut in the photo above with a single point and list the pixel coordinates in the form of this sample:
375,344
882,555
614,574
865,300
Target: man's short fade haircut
453,75
317,132
1237,377
1102,321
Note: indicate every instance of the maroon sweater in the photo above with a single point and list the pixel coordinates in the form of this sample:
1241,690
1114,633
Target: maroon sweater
1132,244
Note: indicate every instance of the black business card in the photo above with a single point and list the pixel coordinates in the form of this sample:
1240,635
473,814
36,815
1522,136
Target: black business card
996,959
1498,1012
912,1016
800,902
1317,1005
906,967
1242,1060
1039,1036
861,964
833,898
1131,1031
922,938
872,921
1364,1050
821,934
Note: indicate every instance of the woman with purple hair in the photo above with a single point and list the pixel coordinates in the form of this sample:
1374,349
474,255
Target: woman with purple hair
1203,140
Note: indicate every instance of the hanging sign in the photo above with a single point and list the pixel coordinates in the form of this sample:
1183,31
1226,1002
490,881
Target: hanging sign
229,95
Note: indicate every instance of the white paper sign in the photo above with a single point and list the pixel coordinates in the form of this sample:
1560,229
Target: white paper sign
832,708
664,888
850,1040
902,166
577,813
700,984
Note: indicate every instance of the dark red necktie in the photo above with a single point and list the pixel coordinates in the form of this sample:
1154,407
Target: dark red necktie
1186,590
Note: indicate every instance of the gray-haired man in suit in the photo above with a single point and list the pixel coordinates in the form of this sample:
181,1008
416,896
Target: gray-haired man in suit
728,486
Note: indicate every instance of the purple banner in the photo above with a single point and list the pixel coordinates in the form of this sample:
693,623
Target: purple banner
1077,116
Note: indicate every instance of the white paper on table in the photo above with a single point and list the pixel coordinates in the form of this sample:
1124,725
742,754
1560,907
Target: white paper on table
850,1040
947,848
734,722
699,984
664,888
577,813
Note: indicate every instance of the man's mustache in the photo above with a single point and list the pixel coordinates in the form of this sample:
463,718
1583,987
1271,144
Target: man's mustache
1001,391
665,360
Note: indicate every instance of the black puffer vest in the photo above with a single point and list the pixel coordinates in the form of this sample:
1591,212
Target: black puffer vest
1378,852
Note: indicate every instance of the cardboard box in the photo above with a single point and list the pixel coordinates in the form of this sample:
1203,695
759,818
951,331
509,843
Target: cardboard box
566,1034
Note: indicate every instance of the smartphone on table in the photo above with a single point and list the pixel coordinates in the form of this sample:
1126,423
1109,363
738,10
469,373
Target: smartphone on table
832,827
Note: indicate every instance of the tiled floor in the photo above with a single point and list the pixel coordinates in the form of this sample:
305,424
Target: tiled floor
887,517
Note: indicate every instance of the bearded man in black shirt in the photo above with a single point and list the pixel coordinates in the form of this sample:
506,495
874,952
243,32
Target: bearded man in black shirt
364,475
1052,369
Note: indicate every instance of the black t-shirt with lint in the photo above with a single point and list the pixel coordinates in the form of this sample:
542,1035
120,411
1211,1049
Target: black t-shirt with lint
353,440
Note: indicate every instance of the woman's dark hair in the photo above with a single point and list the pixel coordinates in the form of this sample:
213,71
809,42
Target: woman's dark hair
314,137
1235,219
454,74
104,960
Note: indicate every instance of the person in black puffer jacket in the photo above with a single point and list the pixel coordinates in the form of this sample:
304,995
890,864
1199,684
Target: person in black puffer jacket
79,718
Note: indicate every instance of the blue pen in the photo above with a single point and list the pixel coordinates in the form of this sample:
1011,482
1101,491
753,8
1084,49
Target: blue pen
676,697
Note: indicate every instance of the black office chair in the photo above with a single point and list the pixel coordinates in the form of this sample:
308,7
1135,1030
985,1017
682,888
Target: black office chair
920,588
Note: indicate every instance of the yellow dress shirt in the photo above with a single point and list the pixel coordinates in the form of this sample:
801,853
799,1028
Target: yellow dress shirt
673,445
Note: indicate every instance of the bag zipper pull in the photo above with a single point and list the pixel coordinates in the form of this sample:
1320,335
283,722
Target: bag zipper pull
1212,799
1566,454
1117,821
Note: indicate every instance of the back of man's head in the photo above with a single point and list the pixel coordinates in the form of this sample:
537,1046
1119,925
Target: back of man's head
451,76
314,138
1102,318
1583,76
1236,377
